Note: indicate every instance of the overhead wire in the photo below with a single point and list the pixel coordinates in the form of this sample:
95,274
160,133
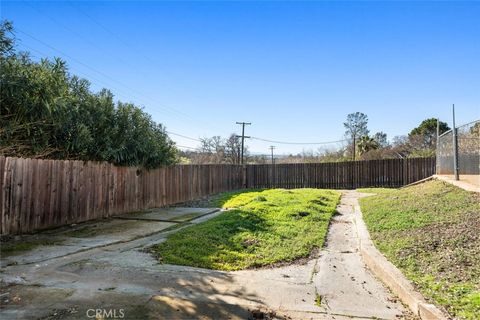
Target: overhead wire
268,140
157,104
185,147
100,83
115,35
96,81
109,31
183,136
163,107
169,132
83,38
74,59
122,60
299,143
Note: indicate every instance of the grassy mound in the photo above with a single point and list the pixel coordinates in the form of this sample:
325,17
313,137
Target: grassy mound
262,228
431,231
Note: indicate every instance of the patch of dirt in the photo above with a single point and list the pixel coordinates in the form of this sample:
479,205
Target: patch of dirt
250,242
453,249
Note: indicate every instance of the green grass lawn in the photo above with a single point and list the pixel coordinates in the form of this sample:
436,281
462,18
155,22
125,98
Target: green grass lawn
261,228
431,231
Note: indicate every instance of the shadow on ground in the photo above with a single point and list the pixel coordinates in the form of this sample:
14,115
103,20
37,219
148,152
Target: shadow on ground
78,290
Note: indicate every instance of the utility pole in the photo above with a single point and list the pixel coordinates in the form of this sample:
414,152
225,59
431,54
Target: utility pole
437,147
271,149
274,182
455,146
243,136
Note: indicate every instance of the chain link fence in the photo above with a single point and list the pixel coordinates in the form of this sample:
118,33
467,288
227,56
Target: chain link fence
468,146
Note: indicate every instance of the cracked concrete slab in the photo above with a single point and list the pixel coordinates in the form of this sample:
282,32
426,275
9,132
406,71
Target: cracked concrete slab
79,238
176,214
124,276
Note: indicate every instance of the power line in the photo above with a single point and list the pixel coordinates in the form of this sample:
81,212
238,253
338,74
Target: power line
72,58
104,83
261,139
101,83
183,136
98,82
185,147
166,108
120,39
169,132
85,39
115,35
298,143
173,133
274,147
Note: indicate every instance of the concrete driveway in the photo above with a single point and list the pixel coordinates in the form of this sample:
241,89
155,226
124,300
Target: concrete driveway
103,271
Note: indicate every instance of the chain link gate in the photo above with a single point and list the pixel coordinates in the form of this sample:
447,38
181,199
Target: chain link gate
468,145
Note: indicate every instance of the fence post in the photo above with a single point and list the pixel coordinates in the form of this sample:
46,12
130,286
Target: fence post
455,146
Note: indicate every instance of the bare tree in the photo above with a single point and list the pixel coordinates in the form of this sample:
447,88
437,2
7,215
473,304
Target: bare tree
233,147
211,150
219,150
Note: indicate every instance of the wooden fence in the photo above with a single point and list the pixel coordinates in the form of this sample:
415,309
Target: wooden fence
37,194
341,175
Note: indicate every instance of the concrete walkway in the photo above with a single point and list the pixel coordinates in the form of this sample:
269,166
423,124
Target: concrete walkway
343,281
122,278
467,182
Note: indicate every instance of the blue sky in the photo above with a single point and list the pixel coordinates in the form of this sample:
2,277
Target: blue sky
293,69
